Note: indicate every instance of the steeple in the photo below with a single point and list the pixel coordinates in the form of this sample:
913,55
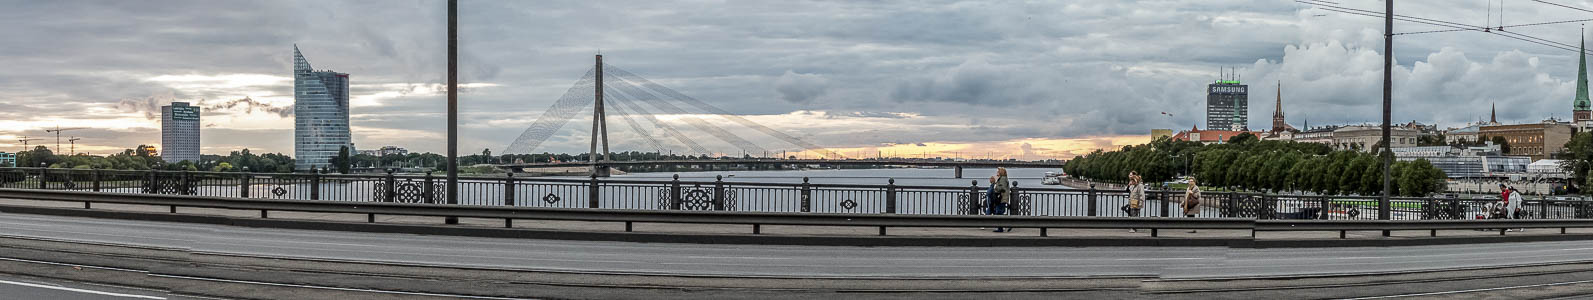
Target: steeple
1581,108
1493,114
1277,113
1278,123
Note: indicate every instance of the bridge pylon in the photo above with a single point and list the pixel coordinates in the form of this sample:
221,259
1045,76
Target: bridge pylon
599,126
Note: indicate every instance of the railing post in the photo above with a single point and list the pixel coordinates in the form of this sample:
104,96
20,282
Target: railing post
1166,198
430,191
591,200
391,193
508,189
1323,203
43,172
150,186
243,185
719,192
973,197
96,180
183,182
1093,203
315,184
807,195
674,193
1543,207
890,196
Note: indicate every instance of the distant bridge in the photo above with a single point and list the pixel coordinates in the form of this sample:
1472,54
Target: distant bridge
957,165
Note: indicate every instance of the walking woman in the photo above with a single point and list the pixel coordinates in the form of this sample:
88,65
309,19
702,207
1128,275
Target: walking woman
1192,200
1136,195
1003,195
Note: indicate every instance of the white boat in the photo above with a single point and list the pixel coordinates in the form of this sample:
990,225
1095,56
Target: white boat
1052,178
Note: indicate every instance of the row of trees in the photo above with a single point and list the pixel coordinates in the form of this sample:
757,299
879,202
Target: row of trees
1246,163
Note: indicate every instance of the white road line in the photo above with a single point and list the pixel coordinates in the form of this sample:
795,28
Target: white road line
62,288
1474,290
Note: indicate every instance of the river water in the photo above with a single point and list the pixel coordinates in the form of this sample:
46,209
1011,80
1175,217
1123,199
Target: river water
904,176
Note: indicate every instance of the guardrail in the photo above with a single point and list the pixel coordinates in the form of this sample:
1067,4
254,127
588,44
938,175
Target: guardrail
627,216
758,219
720,195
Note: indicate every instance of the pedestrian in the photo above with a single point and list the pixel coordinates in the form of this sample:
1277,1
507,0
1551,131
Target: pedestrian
1003,194
1513,207
1192,200
990,197
1136,195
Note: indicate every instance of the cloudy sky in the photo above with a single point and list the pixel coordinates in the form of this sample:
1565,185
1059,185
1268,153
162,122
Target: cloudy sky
999,78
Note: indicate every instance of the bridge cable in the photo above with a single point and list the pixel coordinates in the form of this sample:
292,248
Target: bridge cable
646,135
627,114
720,133
626,101
577,98
628,76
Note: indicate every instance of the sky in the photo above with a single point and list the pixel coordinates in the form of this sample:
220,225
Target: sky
999,79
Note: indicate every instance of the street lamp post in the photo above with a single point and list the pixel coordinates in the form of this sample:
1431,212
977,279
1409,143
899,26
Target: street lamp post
453,107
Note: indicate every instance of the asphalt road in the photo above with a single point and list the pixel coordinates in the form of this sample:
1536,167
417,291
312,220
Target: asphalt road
787,261
15,287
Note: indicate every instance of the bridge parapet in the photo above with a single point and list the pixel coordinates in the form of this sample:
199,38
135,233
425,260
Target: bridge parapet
720,194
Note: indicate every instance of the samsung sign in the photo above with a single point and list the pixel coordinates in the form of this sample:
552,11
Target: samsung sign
185,113
1227,89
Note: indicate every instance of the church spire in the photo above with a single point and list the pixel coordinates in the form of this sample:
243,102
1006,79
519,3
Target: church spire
1581,107
1493,114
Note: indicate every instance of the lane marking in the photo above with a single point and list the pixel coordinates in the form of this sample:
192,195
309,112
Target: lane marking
62,288
1474,290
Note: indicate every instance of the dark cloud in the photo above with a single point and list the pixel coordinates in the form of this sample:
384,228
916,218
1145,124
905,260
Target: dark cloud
945,71
800,88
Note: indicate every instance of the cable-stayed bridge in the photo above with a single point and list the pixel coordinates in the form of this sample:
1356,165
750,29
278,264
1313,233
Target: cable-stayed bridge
646,108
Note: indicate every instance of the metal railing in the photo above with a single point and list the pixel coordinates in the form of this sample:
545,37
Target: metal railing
721,195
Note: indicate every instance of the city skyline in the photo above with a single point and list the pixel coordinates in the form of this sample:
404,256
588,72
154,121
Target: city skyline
1048,75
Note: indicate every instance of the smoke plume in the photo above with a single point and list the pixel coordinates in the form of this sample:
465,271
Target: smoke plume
250,106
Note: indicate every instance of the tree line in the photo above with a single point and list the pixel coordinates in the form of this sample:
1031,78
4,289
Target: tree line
1249,164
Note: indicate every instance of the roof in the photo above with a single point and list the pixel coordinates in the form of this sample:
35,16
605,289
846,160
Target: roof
1212,136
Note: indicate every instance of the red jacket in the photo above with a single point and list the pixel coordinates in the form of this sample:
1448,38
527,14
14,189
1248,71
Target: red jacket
1505,196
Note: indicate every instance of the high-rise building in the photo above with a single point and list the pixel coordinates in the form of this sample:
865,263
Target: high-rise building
179,132
1581,108
320,114
1227,106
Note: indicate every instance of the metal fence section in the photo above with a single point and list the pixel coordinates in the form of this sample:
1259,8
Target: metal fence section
720,195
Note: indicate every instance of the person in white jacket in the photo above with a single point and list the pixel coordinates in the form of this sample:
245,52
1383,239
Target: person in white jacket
1513,206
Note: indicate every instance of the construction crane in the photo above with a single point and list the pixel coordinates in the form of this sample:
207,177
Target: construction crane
24,139
57,132
73,140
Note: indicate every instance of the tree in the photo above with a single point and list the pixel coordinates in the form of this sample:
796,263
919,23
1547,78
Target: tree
342,161
1504,145
1577,158
1243,138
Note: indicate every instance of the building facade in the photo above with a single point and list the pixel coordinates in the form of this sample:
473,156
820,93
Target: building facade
179,132
1538,141
1471,162
1227,105
1364,137
1210,136
320,115
8,159
385,151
